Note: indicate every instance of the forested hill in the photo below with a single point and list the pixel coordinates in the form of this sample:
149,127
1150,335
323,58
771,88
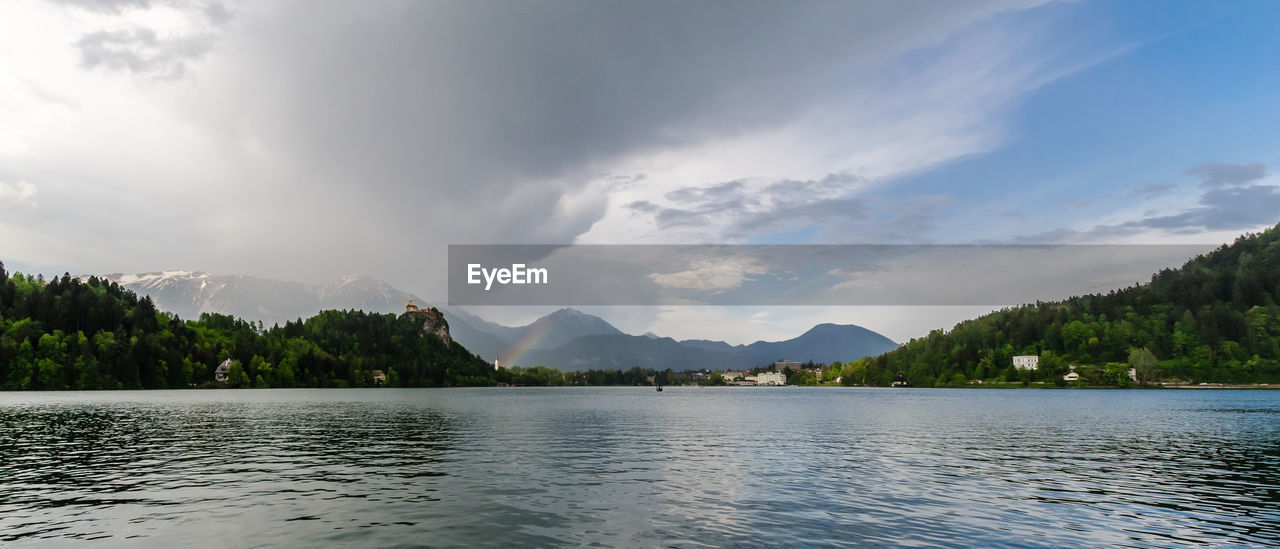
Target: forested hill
1215,319
69,334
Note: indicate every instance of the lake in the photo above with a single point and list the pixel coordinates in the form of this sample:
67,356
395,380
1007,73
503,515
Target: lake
621,466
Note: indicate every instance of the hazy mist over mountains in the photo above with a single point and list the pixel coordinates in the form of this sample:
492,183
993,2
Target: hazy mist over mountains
566,339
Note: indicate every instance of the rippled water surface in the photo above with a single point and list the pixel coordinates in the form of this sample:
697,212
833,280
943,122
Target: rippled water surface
632,467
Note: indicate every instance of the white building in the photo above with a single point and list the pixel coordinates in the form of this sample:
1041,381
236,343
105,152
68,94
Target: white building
1026,362
1072,376
771,378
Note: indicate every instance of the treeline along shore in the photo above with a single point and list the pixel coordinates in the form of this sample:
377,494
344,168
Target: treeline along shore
66,333
1215,320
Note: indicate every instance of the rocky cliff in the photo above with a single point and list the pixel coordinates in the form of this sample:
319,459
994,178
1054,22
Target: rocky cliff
432,321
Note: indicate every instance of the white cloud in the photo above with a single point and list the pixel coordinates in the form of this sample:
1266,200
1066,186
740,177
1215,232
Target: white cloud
711,275
882,124
19,194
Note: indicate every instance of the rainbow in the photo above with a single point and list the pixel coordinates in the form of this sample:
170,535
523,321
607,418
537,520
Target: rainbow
530,339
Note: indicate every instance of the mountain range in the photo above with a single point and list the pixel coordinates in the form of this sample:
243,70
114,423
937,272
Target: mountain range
566,339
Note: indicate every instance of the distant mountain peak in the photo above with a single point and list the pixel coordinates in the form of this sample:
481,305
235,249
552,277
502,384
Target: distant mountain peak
828,327
153,278
567,338
190,293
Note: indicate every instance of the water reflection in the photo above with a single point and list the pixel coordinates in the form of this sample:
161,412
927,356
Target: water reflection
87,470
617,466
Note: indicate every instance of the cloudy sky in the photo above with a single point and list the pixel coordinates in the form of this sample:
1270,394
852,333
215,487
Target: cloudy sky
309,140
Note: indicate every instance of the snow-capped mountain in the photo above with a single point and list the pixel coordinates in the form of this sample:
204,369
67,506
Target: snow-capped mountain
189,293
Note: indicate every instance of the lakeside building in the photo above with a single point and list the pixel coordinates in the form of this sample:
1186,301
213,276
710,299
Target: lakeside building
379,378
1026,362
734,375
1071,374
771,379
220,373
783,364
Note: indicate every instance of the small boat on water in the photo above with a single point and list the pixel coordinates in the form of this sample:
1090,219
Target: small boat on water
659,388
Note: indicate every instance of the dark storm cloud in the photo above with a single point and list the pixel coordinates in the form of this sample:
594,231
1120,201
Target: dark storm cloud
1217,174
370,135
460,102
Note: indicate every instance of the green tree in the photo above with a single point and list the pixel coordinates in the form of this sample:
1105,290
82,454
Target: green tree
801,377
87,368
22,370
855,373
1117,373
1144,365
236,376
1051,366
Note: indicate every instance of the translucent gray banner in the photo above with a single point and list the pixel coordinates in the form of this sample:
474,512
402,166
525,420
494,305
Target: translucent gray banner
798,274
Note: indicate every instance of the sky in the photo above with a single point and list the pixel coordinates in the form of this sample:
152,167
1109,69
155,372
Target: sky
311,140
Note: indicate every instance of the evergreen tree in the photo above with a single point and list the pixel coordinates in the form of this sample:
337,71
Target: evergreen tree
1215,319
